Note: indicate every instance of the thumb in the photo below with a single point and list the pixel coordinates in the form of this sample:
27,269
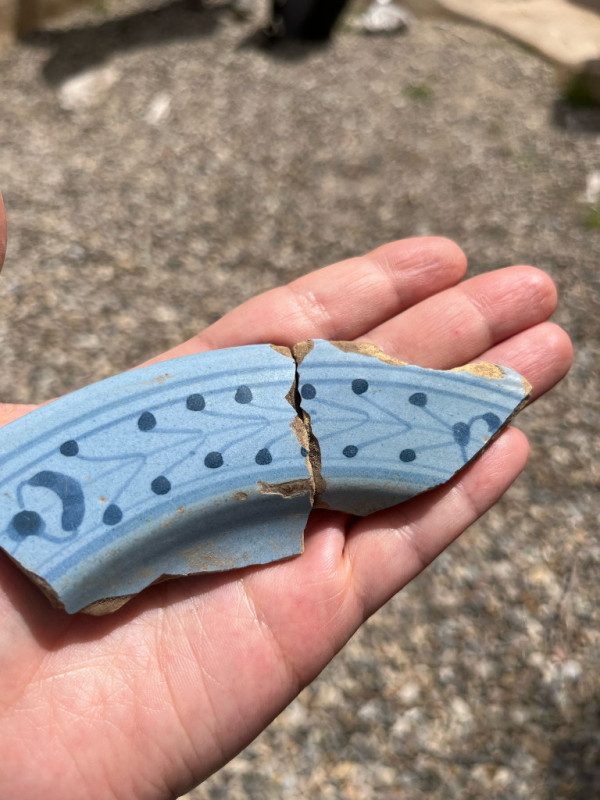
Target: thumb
10,412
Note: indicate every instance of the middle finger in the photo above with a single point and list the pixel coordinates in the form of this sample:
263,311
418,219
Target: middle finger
455,326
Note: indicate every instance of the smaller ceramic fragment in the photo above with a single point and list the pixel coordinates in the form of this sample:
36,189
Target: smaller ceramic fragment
387,432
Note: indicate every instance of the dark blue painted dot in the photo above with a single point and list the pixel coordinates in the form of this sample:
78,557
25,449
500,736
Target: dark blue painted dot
304,452
359,385
493,421
112,515
350,450
27,522
461,433
70,448
308,391
407,456
263,457
243,395
195,402
161,485
213,460
418,399
147,421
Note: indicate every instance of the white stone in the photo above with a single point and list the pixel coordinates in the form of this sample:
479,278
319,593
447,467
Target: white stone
159,109
406,723
370,711
592,188
295,715
87,89
383,16
409,693
571,670
461,711
502,778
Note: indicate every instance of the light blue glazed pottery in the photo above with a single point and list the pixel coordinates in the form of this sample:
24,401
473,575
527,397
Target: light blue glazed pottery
201,463
387,433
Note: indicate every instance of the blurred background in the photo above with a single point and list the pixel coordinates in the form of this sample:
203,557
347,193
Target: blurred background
162,162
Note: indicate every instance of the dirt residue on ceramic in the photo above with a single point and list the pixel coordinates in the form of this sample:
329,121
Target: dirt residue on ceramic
301,350
287,488
282,350
368,349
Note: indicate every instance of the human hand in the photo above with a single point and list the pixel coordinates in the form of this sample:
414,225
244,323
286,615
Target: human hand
147,702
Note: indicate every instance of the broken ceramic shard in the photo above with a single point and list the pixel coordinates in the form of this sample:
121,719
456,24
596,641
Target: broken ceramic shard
155,472
387,432
212,462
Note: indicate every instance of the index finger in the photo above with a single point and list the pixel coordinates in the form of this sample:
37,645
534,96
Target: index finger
342,301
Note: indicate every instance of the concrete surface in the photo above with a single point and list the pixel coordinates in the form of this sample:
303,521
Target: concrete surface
565,31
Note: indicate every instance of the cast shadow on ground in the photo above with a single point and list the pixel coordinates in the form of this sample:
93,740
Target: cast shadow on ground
281,48
578,107
576,119
74,50
574,767
593,5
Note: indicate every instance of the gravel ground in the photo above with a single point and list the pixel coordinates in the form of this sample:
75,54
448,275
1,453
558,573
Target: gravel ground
201,172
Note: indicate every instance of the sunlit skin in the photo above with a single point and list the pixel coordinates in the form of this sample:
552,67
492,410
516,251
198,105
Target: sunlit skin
149,701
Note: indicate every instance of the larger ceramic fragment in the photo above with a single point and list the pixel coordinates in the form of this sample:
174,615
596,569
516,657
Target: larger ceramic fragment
156,472
387,431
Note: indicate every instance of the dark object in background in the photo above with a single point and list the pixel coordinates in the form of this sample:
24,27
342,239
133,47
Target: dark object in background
309,20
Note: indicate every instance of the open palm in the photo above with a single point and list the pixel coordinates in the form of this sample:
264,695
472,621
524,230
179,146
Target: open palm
147,702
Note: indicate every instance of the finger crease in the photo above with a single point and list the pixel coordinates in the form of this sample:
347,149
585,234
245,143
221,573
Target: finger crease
483,314
312,309
466,499
268,632
389,277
